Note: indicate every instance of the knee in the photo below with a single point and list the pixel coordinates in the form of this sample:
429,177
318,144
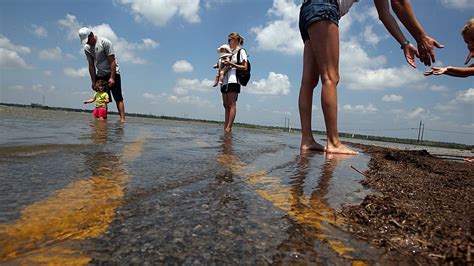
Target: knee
330,79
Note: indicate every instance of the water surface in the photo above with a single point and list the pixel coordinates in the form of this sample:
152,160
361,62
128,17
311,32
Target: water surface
75,190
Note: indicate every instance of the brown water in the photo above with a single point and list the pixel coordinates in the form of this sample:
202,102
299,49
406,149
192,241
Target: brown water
77,191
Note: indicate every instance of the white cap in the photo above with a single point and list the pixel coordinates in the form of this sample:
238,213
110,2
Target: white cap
224,46
84,34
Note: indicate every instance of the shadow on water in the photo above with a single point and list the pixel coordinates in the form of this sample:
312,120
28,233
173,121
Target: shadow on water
48,231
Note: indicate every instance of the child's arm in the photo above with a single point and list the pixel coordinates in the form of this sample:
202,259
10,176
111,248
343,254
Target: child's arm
91,100
461,72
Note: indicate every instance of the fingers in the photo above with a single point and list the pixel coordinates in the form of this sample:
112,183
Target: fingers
437,44
428,73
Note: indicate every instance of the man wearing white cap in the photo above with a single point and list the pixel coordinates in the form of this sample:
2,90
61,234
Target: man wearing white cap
101,56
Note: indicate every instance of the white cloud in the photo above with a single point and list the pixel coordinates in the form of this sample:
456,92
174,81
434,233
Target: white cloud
458,4
282,34
183,86
53,54
370,37
359,71
39,31
48,73
43,89
71,25
392,98
360,108
462,98
194,100
11,60
148,95
5,43
466,96
76,73
275,84
417,113
182,66
159,12
127,52
438,88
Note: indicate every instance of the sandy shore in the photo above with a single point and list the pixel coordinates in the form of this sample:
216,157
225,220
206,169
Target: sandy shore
423,206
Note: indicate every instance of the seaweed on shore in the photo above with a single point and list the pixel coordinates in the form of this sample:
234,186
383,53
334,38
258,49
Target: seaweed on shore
424,207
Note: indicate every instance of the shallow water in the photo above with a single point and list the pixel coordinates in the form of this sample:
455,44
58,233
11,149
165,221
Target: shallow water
74,190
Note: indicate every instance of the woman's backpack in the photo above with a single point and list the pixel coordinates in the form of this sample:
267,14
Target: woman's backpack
243,76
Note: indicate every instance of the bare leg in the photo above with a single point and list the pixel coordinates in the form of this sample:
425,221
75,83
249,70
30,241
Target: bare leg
121,110
230,106
309,81
327,58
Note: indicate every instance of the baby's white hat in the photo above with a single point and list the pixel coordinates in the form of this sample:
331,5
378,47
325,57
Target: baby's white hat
224,46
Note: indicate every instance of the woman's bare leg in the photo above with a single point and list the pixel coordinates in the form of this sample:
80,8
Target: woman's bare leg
309,80
230,106
327,55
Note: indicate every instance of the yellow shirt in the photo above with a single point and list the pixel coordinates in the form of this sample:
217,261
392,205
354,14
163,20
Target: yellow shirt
101,99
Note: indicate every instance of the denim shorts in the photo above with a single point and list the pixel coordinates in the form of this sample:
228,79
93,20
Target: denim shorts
315,10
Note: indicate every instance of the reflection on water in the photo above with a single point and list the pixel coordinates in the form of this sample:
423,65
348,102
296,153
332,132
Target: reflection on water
47,230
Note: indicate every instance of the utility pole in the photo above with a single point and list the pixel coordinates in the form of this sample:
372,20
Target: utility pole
419,131
422,131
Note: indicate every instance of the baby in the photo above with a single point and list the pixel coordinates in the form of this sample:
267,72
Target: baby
225,54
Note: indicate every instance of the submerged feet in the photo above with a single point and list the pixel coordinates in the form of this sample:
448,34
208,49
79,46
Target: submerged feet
311,145
339,149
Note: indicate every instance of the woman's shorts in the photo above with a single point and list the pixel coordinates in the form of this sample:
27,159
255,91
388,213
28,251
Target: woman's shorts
230,87
315,10
100,112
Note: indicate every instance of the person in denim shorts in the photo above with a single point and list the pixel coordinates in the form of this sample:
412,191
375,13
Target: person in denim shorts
318,23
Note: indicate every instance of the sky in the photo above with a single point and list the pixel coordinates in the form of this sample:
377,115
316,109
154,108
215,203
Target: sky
166,50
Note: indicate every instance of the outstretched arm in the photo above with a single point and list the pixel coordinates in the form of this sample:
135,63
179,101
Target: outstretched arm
91,100
391,25
426,44
461,72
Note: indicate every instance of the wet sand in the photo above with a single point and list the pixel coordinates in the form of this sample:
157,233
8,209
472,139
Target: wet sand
423,208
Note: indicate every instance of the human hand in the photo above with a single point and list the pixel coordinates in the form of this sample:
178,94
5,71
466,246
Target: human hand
111,82
436,71
426,50
410,52
470,55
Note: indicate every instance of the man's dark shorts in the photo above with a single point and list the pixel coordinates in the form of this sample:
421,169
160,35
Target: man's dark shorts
116,90
315,10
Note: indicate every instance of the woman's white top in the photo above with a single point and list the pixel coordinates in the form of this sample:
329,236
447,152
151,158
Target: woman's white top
231,76
344,6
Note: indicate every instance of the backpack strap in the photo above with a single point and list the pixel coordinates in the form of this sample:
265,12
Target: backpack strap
238,56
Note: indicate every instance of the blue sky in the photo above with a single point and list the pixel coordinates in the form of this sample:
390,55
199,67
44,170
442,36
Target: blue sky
166,50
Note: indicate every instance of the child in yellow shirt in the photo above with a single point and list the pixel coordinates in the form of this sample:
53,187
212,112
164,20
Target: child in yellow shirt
101,99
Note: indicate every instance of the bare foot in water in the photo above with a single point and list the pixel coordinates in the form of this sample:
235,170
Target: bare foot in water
311,145
340,149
